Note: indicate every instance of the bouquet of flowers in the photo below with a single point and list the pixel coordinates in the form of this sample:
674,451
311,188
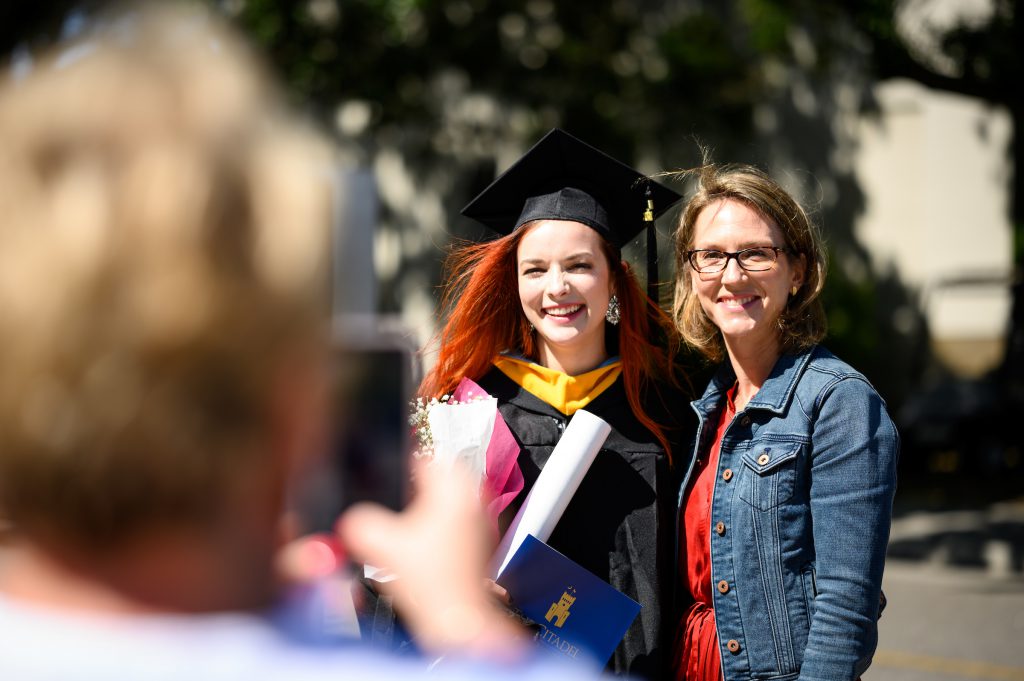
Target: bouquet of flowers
466,426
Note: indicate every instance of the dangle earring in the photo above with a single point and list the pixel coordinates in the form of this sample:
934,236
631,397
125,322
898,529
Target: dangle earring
613,315
793,290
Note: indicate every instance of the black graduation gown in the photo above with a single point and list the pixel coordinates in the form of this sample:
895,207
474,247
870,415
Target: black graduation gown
620,523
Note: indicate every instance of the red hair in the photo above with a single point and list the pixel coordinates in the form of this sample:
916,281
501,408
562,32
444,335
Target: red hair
485,317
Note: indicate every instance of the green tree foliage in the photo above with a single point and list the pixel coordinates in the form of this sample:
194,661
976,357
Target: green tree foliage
455,89
617,71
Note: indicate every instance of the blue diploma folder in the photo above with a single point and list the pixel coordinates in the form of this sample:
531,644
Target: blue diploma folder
580,614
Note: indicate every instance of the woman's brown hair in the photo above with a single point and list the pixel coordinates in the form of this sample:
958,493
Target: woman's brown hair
803,323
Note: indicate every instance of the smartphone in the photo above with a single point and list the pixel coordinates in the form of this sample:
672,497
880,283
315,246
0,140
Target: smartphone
369,445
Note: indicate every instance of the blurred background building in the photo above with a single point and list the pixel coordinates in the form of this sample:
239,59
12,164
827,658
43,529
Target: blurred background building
934,168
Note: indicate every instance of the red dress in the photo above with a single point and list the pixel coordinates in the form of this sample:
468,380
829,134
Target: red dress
696,647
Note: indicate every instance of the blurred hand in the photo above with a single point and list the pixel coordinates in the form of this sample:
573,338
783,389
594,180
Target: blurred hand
497,592
438,548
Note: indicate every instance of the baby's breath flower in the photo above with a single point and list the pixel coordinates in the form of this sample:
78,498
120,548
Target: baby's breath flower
419,420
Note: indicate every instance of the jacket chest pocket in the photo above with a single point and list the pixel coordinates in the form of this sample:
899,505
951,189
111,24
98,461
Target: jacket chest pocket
769,474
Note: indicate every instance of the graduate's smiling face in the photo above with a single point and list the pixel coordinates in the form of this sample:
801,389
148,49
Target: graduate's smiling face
564,287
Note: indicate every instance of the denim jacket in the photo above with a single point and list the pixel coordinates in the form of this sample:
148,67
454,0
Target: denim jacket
800,519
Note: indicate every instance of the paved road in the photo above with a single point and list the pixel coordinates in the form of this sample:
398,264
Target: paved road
946,622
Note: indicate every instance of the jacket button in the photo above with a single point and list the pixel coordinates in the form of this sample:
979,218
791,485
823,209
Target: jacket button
723,587
719,528
745,421
727,474
763,459
733,645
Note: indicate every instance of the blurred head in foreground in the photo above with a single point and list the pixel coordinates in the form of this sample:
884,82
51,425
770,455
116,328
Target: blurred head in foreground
163,231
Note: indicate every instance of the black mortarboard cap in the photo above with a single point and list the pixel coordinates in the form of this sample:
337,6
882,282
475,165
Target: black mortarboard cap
564,178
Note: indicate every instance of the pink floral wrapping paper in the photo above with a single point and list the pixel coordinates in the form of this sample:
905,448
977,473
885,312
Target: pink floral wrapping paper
503,480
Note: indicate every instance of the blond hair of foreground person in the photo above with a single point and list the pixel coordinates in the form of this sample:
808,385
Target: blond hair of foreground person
164,226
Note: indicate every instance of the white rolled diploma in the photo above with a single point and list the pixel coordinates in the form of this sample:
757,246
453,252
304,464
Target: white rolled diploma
558,481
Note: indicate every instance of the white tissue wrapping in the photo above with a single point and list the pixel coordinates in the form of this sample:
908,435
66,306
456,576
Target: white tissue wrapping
461,432
558,480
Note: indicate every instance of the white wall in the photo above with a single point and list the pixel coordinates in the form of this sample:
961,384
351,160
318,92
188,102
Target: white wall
935,172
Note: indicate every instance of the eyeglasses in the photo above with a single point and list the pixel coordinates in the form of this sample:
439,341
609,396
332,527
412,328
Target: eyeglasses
757,259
